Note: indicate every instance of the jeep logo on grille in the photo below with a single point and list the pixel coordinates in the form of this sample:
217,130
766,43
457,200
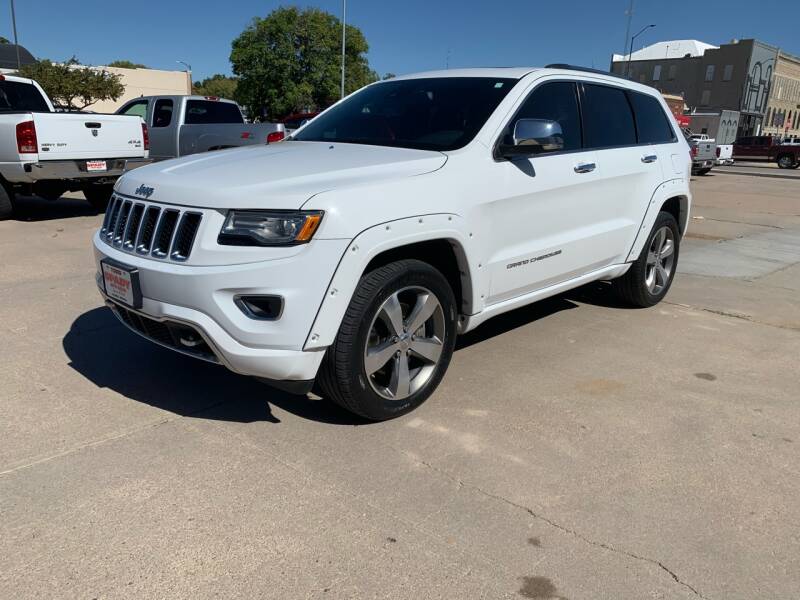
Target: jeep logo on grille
143,190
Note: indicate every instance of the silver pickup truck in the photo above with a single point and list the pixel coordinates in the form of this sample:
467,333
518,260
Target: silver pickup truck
704,153
181,125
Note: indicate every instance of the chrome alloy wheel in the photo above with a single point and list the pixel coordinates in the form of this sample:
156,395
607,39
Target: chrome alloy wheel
405,343
660,260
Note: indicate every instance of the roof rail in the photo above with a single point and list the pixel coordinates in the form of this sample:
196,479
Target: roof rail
584,70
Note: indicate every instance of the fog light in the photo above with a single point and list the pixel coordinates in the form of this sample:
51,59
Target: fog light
265,308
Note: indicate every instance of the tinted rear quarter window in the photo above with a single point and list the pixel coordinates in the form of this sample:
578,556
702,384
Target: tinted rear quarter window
607,117
209,111
651,122
15,95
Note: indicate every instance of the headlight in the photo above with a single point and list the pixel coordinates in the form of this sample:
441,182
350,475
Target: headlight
269,227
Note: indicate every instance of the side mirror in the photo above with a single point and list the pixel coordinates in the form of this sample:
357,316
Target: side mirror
533,136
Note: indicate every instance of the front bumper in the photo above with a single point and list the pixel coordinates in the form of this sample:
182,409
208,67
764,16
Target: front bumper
76,169
202,298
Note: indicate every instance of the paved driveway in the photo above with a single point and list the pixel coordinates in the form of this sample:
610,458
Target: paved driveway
576,449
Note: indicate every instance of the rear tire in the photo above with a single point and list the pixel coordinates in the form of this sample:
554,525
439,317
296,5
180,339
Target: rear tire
394,344
703,171
98,195
649,278
6,203
786,161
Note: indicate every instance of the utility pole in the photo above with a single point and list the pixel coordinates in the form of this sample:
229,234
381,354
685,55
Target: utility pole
16,42
344,25
629,12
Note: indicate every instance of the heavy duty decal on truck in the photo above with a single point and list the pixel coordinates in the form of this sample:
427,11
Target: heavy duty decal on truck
532,260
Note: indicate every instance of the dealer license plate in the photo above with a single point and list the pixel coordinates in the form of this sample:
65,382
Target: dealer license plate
96,165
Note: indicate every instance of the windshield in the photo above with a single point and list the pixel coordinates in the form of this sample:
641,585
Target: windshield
428,114
16,96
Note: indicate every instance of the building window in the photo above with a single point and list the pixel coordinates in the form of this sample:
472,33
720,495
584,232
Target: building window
710,73
672,70
768,115
705,99
656,72
727,74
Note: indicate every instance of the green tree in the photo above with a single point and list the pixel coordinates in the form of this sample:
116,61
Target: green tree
73,85
216,85
291,61
127,64
4,40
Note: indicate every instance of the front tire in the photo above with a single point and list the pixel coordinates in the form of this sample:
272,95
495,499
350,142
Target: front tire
786,161
649,278
394,344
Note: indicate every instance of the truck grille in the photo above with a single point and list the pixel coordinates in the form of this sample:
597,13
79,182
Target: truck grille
150,230
177,336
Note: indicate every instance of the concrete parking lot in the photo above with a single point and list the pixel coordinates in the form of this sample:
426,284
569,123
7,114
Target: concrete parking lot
576,448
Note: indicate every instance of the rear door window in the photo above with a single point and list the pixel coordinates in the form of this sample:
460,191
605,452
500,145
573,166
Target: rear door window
607,117
652,124
162,113
199,112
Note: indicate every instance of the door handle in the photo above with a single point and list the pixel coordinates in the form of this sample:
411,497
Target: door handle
585,168
649,158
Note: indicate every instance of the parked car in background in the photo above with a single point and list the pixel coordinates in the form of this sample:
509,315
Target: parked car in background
412,211
720,126
703,151
767,148
182,125
48,153
297,120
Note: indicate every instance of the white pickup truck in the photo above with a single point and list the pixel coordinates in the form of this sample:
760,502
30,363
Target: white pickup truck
47,153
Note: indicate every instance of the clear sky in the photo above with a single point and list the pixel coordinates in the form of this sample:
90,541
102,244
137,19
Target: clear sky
404,35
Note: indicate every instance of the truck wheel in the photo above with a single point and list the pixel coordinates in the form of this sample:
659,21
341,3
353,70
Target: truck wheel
786,161
395,341
650,276
98,195
6,203
703,171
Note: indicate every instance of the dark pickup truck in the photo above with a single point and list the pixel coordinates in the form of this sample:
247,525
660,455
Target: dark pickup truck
767,148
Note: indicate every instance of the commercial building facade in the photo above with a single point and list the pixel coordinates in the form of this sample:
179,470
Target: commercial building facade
735,76
783,106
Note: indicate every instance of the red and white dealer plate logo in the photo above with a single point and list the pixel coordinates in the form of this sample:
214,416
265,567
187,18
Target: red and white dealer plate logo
118,284
96,165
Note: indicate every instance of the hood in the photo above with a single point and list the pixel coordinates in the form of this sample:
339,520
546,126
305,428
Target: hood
282,175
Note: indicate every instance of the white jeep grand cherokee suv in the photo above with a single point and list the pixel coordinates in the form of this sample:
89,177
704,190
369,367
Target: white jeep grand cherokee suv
353,253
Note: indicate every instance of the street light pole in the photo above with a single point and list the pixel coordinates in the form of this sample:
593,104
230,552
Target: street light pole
188,73
630,53
344,25
14,25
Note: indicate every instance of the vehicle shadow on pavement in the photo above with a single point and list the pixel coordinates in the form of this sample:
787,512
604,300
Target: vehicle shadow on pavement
106,353
597,293
33,208
512,320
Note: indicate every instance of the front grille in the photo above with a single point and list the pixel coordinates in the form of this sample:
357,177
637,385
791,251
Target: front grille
150,230
171,334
